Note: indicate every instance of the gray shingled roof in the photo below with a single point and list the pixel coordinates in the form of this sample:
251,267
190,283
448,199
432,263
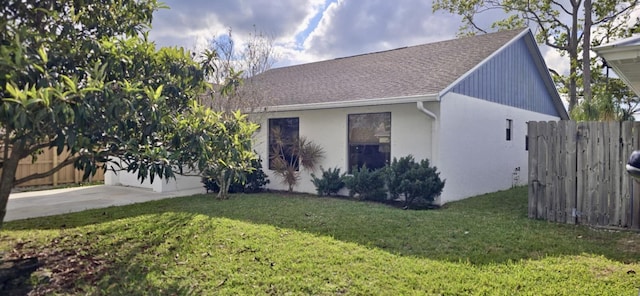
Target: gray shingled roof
415,70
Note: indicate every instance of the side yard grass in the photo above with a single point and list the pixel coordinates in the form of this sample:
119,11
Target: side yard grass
272,244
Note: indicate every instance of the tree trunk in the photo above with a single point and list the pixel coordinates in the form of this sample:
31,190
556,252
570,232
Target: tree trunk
586,51
573,57
224,182
573,84
9,168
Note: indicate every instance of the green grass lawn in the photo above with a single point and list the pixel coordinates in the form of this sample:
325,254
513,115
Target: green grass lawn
270,244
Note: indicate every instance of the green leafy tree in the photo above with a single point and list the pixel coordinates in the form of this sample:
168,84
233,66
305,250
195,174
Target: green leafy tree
564,26
82,75
612,101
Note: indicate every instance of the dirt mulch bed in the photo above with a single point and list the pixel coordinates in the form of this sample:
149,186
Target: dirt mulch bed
53,268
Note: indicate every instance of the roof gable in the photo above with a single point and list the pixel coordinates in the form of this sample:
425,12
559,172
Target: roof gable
516,76
410,71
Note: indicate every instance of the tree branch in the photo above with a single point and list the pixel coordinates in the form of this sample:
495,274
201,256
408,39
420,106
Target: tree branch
66,162
561,6
616,14
472,23
35,148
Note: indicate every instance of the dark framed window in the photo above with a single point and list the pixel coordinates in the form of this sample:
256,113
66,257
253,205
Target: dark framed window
369,140
283,138
509,129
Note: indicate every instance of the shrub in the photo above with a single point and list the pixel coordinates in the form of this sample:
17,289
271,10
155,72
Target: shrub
366,184
330,183
255,180
289,155
250,182
411,180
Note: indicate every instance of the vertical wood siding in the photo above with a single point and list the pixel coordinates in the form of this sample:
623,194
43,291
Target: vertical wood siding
510,78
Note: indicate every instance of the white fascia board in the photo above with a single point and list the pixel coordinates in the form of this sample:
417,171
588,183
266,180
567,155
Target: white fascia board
612,54
352,103
622,43
476,67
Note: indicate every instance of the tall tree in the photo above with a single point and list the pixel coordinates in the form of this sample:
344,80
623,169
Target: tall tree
565,26
81,75
235,63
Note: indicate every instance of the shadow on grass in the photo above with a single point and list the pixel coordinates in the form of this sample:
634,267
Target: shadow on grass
492,228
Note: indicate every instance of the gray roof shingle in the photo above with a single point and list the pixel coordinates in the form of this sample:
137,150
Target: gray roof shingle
408,71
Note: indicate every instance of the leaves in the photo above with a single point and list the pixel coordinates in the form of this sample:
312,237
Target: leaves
86,78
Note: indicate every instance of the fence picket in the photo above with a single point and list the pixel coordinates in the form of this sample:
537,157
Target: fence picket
532,134
572,171
561,210
635,198
627,181
542,172
615,167
552,173
582,181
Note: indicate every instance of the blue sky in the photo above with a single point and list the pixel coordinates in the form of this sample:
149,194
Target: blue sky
311,30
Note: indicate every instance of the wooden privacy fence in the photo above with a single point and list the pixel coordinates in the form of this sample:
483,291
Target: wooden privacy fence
577,173
47,160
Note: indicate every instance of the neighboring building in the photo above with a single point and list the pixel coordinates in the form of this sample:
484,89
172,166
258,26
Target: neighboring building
463,104
624,57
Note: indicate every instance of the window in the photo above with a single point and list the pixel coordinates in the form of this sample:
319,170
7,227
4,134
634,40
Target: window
509,129
283,136
526,142
369,140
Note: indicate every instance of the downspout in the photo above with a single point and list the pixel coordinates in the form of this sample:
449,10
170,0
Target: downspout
434,145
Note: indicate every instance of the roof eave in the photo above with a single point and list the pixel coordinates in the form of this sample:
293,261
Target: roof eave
347,104
617,54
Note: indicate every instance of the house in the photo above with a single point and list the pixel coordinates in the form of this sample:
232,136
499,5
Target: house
624,57
463,104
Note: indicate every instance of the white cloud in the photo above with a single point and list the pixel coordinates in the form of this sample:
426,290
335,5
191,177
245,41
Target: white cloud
351,27
555,60
186,21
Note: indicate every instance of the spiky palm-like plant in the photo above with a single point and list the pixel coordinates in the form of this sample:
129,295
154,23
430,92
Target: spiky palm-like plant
288,155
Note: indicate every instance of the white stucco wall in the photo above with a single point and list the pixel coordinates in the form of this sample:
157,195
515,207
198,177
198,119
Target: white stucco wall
475,157
410,134
124,178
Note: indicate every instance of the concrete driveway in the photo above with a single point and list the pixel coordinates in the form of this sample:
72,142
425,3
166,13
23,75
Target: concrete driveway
32,204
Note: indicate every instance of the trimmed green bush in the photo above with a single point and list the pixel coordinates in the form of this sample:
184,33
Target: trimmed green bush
411,180
366,184
330,183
